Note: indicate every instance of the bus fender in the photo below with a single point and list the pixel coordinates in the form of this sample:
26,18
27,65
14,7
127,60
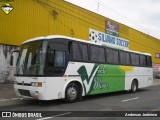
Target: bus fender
68,82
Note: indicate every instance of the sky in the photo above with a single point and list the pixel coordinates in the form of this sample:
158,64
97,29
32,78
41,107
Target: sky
142,15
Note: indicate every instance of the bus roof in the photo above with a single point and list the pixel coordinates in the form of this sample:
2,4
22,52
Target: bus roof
76,39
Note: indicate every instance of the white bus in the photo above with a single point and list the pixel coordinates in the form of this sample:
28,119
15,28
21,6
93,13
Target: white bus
60,67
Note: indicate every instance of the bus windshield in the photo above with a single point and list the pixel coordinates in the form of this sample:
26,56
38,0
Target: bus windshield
32,58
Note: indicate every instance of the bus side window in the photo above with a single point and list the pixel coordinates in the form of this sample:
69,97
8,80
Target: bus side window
94,53
149,61
76,52
55,59
128,61
50,57
116,56
59,60
142,60
110,56
137,60
101,55
133,59
122,57
79,52
84,51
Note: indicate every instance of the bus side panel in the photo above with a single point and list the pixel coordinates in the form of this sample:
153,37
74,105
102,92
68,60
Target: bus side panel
98,78
109,78
142,74
54,87
82,72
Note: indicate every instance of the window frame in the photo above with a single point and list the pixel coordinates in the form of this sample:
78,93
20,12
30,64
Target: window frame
98,47
141,60
127,55
54,48
71,57
113,50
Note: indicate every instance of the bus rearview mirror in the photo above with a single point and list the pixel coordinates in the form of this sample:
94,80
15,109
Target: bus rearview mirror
11,60
12,57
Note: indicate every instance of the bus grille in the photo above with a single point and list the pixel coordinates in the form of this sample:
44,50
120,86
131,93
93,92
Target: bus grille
25,84
24,92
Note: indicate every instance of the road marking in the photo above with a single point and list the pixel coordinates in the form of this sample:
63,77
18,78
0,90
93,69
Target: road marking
54,116
157,109
44,118
130,99
62,114
155,84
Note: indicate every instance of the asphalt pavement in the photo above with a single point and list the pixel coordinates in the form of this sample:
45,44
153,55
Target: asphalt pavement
7,90
146,99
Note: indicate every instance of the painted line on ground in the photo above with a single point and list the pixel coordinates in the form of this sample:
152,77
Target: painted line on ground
54,116
157,109
62,114
155,84
44,118
130,99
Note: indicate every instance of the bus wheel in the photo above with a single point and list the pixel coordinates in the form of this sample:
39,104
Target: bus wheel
134,86
72,93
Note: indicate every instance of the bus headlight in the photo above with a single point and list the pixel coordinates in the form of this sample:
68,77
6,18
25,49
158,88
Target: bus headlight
36,84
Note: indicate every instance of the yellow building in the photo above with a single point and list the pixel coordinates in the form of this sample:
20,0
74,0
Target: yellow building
33,18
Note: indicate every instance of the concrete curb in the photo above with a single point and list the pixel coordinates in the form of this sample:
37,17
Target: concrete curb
13,99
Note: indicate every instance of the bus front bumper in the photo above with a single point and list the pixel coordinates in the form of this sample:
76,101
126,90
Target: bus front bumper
30,92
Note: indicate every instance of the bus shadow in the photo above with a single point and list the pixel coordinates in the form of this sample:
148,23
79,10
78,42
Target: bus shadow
104,95
44,103
85,98
54,105
112,94
62,102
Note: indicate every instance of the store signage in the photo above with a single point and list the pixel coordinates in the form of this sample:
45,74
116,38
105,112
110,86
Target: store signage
112,28
108,40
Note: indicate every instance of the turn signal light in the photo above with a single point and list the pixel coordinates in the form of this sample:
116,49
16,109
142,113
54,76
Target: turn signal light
36,84
39,84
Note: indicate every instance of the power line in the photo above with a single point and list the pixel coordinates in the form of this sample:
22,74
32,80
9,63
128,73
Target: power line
76,12
91,23
123,17
86,13
69,14
103,15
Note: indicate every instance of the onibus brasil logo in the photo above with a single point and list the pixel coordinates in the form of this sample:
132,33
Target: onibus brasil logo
90,82
6,8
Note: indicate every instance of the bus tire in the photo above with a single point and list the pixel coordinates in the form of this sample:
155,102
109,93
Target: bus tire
72,93
134,86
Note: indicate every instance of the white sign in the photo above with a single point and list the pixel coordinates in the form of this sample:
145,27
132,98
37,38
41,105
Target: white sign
109,40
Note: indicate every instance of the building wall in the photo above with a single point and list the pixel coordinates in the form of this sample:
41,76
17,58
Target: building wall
6,70
33,18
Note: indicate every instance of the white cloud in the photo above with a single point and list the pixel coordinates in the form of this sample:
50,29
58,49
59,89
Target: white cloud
143,15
